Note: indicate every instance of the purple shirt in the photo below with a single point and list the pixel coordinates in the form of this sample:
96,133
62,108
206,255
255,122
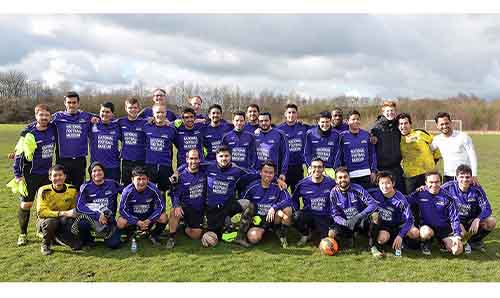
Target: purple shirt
72,133
92,198
315,196
394,211
133,139
356,200
159,140
135,206
296,135
267,198
104,144
471,204
212,137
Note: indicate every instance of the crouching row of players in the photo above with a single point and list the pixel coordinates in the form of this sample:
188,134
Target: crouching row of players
336,208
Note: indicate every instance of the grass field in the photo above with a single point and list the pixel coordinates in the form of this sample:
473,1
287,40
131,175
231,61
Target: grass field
266,262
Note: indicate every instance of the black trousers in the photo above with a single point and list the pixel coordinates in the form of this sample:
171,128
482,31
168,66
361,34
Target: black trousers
75,169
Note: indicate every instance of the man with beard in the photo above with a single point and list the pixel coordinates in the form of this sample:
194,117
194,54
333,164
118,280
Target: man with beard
188,136
253,111
214,131
241,143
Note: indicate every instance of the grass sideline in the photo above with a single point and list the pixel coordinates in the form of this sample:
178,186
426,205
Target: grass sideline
228,263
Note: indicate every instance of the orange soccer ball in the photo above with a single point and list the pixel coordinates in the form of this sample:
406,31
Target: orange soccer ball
328,246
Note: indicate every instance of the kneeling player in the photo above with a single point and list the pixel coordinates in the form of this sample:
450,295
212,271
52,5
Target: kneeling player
315,192
395,220
96,207
438,216
473,206
353,209
272,205
142,207
188,199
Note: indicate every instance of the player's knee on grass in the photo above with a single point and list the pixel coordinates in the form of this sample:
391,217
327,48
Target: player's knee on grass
413,233
448,242
121,223
383,237
375,218
26,205
426,233
490,223
254,235
194,234
163,218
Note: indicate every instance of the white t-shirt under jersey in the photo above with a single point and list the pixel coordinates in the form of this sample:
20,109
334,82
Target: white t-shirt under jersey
456,149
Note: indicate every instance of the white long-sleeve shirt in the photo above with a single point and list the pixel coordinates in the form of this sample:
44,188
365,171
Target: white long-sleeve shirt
456,149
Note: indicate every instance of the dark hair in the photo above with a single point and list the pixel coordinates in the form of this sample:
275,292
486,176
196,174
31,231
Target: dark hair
132,101
431,173
215,106
385,174
325,114
72,94
266,114
188,110
403,116
93,165
318,159
239,113
192,149
292,106
56,168
139,171
223,148
268,163
442,115
161,90
463,169
108,105
353,112
341,169
254,105
337,109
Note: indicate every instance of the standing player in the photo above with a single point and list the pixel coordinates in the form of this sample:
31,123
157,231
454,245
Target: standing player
271,144
142,207
104,137
188,199
196,103
55,208
253,111
96,206
356,153
315,193
73,128
322,141
241,143
159,139
395,220
272,206
353,209
456,148
159,97
214,131
387,140
133,140
338,120
438,216
296,134
188,136
33,159
474,209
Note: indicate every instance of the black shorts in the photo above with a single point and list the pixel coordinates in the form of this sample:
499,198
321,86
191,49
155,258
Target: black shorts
362,227
448,178
127,167
305,221
467,223
412,183
159,175
75,170
216,215
192,218
294,174
393,230
33,183
442,232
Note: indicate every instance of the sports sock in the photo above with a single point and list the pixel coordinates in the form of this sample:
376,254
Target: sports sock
24,216
283,231
172,234
159,227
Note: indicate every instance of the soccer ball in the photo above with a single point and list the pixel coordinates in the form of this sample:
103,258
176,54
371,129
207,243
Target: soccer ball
328,246
209,239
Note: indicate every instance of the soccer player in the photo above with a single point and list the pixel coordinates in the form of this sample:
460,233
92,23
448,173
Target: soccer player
418,154
253,111
159,139
456,148
96,208
438,216
474,209
188,199
73,128
142,207
214,131
395,220
323,142
241,143
196,103
104,137
55,209
353,209
296,134
33,159
159,97
271,144
357,153
133,151
338,120
273,208
315,193
188,135
387,143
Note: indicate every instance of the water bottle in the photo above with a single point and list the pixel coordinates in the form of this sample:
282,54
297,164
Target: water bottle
133,246
397,253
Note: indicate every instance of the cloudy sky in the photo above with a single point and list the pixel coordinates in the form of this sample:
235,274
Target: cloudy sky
311,54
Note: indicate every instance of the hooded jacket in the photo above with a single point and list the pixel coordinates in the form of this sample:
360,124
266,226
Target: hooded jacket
387,147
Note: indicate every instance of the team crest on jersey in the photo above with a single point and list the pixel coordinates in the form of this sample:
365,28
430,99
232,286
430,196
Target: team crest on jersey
108,192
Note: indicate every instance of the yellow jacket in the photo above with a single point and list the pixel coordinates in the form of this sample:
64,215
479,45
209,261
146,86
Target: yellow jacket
49,202
418,153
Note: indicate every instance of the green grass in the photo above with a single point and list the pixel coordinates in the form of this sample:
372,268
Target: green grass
266,262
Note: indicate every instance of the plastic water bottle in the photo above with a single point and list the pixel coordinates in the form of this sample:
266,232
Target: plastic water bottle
133,246
397,253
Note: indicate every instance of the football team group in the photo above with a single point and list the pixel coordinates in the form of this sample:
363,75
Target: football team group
331,180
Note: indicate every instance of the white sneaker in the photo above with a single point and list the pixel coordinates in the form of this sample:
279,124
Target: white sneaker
467,249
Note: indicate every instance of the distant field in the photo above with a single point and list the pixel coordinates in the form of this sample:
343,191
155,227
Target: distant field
226,262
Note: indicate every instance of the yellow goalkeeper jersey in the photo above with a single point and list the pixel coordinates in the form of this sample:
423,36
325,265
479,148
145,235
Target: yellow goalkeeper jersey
49,201
418,153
